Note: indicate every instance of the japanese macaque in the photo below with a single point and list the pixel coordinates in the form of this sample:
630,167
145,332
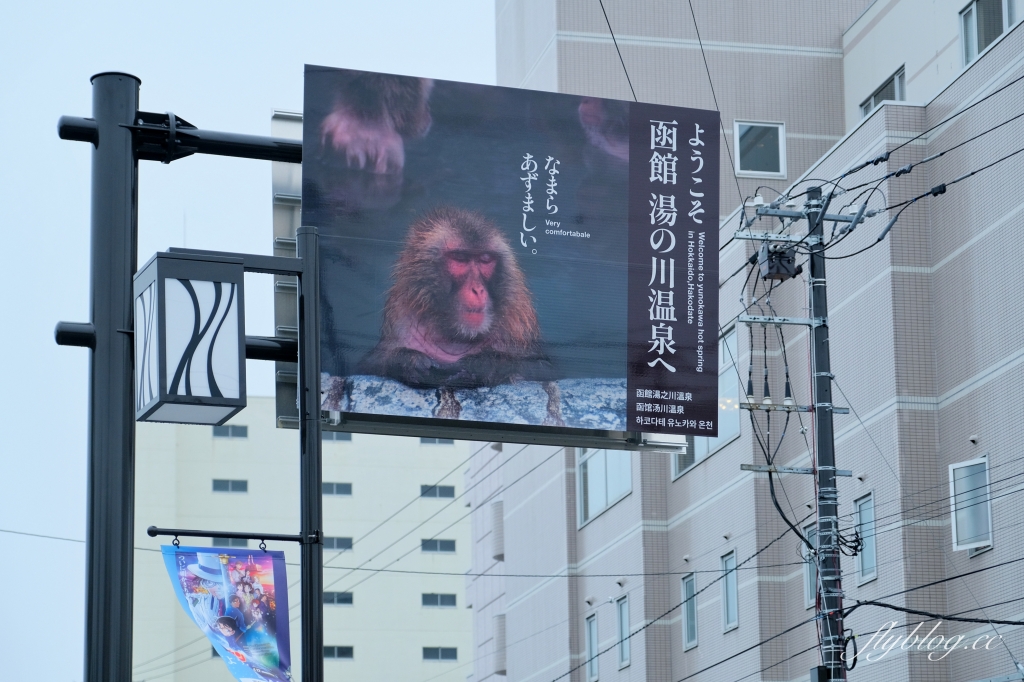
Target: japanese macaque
372,116
459,314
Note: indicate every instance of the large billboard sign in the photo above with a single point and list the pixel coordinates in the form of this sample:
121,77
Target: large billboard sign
512,259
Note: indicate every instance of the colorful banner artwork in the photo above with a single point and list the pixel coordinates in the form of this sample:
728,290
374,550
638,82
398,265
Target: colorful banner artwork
239,599
513,258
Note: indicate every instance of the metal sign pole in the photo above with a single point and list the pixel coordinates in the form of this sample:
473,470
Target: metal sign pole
311,469
111,476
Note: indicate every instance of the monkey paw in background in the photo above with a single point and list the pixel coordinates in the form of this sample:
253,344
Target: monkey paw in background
459,313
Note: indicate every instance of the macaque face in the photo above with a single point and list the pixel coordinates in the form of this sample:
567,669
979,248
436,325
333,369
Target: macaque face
471,272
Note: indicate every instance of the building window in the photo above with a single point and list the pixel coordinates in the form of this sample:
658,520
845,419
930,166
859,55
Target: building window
866,560
592,648
338,544
340,598
892,89
622,606
430,599
437,491
440,653
335,435
344,652
689,611
221,485
437,441
983,21
605,477
437,545
696,448
810,565
214,653
760,149
229,542
230,431
971,512
730,593
337,488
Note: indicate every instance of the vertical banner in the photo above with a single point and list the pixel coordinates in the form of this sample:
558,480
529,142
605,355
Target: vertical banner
239,599
672,305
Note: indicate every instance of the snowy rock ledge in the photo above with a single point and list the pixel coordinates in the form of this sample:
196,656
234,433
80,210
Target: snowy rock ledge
578,403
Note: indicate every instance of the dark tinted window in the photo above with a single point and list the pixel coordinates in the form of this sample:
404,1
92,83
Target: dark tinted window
338,543
759,148
438,599
437,491
221,485
338,598
336,435
437,545
338,652
230,542
337,488
230,431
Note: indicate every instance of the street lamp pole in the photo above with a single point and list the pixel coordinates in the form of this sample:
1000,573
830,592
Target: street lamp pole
111,457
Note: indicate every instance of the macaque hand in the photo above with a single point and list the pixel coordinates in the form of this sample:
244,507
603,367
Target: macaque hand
374,146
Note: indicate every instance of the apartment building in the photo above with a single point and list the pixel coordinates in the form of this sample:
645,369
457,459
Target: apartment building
676,565
389,503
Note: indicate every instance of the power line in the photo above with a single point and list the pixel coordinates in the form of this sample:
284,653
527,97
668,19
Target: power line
754,646
885,156
936,615
904,205
905,170
847,611
967,586
616,43
666,613
725,137
472,511
354,542
432,516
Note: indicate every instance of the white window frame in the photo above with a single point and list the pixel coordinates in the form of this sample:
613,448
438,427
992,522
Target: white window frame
584,455
810,581
687,625
593,670
899,80
1008,23
730,576
782,149
862,575
622,618
988,504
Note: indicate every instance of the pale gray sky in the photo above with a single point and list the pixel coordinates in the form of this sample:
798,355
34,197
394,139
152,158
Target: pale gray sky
221,66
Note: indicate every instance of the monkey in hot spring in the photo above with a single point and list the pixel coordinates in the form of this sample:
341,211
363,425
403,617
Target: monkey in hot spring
459,313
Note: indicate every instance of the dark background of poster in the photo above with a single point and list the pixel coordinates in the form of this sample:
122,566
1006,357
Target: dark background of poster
702,385
471,158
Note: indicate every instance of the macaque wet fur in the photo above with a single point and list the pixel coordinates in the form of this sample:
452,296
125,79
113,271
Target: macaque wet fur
459,313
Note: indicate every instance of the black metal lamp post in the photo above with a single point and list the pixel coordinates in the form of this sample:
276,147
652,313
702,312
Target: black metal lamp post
121,135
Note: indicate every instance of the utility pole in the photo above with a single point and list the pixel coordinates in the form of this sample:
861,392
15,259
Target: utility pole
828,495
776,260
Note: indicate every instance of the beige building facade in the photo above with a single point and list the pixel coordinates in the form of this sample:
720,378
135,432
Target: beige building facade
397,503
672,566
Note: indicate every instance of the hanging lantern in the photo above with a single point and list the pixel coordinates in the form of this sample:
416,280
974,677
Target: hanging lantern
189,339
